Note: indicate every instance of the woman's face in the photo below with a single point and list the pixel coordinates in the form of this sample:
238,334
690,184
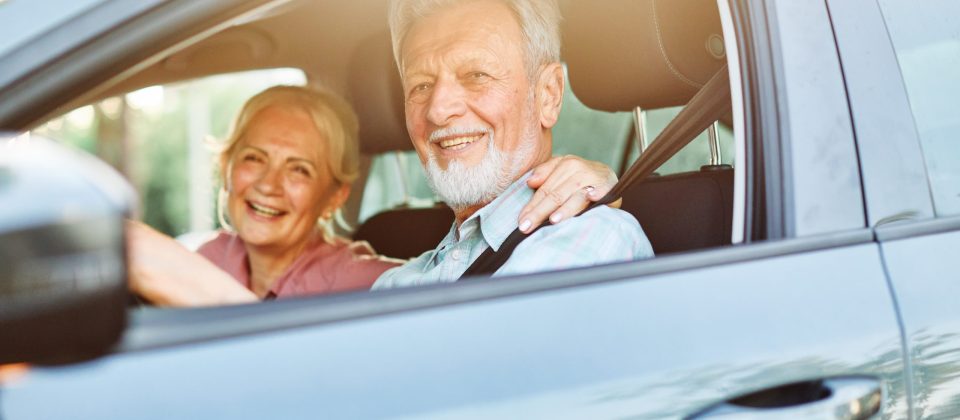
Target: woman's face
280,183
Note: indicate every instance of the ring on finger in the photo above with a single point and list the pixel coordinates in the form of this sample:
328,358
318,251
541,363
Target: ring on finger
588,189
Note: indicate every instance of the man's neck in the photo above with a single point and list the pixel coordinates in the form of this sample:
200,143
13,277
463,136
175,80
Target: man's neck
541,156
463,214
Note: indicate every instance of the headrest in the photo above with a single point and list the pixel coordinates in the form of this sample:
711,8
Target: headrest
377,96
621,54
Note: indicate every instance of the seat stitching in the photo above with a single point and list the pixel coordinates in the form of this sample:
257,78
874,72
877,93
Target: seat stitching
663,51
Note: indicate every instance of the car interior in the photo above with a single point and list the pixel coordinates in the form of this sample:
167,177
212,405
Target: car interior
621,56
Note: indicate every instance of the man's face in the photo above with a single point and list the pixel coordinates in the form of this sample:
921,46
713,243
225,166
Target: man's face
467,92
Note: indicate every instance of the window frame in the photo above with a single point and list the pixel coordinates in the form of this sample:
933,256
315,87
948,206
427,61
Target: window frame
765,195
84,55
892,165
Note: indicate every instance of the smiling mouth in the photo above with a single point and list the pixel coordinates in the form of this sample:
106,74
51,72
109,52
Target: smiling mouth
264,210
457,143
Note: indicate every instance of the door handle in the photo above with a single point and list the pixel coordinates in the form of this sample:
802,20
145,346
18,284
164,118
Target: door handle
849,398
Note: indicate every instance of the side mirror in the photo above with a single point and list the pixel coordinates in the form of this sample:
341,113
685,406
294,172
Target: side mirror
63,269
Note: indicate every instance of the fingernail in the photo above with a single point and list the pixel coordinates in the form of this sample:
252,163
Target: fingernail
525,225
556,217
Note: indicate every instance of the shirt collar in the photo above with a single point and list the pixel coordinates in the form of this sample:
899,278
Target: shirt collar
497,220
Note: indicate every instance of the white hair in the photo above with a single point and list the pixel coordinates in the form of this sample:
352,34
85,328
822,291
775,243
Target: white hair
539,22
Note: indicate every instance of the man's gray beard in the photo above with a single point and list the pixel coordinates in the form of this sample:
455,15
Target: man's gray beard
462,186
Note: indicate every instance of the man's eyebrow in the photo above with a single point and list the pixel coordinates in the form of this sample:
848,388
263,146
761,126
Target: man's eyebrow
413,72
468,59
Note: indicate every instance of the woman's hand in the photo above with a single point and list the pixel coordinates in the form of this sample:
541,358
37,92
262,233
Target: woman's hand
565,185
164,272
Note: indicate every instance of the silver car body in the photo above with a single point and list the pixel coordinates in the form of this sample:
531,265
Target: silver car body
856,286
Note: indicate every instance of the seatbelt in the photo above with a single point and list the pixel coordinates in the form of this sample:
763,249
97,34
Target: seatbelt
706,107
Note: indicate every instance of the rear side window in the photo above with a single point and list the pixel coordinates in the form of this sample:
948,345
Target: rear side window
926,37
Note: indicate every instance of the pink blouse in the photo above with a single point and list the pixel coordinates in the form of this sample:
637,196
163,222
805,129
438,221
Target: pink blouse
321,268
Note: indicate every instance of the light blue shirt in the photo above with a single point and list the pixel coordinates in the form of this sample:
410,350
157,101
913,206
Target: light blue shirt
599,236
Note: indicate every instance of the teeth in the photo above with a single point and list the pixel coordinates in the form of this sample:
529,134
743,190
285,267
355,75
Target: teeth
459,141
266,211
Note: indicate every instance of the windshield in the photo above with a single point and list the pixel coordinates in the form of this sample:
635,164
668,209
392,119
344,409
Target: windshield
22,20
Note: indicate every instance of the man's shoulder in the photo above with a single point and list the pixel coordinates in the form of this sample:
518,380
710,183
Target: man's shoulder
601,235
600,221
404,273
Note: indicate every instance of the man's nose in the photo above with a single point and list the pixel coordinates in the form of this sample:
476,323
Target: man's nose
447,102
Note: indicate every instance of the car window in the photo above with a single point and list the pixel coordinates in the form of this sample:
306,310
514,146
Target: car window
926,38
24,20
695,154
397,178
160,137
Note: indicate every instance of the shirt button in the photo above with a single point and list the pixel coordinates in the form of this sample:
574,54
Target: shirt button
456,254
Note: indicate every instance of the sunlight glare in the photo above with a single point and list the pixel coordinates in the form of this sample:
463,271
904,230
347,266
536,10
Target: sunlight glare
150,99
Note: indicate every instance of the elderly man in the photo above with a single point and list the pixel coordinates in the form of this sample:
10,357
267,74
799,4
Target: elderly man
483,87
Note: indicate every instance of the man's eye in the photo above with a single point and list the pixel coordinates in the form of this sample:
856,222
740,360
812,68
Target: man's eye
422,87
479,75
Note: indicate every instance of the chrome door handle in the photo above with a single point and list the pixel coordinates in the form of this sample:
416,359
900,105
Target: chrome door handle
852,398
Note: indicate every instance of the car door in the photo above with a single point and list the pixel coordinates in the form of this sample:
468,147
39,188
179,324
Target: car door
800,322
900,61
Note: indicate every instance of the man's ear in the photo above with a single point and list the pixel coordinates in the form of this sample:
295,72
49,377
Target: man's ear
550,94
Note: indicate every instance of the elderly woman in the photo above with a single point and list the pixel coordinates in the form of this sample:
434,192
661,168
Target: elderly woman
286,168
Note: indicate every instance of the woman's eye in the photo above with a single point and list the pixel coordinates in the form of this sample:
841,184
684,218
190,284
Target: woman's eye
301,170
250,158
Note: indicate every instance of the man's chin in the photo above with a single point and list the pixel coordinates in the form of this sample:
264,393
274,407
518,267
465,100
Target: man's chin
461,160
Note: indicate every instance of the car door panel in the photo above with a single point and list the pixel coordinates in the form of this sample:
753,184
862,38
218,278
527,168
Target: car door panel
665,345
923,269
919,251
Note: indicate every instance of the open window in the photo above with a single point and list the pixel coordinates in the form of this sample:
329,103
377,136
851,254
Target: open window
620,96
626,83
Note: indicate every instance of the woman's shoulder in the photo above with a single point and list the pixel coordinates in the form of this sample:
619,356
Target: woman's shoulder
348,250
221,242
343,264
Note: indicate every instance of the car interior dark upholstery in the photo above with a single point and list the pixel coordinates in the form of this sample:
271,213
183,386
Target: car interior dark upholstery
406,232
675,47
682,212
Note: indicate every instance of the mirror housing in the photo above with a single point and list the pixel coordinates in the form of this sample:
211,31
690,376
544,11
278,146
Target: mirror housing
63,271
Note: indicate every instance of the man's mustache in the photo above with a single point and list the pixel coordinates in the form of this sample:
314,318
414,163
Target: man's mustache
453,132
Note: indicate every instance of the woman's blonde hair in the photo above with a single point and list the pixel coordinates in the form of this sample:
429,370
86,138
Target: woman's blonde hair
334,119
